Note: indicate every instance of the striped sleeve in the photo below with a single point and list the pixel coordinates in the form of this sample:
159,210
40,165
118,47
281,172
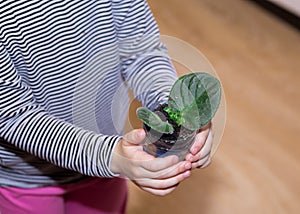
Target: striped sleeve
74,33
29,127
146,65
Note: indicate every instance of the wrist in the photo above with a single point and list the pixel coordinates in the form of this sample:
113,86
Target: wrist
116,159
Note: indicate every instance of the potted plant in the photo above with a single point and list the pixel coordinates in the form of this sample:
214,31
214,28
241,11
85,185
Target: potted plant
171,127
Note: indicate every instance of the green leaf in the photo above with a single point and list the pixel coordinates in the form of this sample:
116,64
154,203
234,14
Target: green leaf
153,120
197,97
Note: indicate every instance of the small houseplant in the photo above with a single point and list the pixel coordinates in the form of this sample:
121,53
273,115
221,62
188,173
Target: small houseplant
171,127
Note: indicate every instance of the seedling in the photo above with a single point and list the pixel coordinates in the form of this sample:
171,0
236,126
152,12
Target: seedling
193,101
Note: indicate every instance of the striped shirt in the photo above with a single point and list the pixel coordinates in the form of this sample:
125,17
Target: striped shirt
65,66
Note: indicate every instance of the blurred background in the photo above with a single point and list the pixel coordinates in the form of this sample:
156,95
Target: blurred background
256,169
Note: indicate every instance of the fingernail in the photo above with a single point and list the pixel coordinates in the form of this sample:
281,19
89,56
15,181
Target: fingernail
195,150
187,174
189,157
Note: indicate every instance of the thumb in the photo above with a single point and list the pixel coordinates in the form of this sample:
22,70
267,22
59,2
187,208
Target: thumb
135,136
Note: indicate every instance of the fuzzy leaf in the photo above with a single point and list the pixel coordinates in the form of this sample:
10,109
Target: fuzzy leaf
153,120
197,97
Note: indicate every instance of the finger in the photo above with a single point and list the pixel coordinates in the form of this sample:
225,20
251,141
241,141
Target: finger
172,171
137,155
147,166
201,162
207,146
159,192
206,164
158,164
135,136
163,183
200,139
204,151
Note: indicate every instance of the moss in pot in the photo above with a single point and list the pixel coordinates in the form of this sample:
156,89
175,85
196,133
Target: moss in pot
171,128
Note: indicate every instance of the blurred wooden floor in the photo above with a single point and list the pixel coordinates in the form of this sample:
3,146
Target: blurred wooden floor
257,57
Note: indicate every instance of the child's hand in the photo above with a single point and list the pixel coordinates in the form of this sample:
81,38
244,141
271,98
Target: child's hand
201,149
158,176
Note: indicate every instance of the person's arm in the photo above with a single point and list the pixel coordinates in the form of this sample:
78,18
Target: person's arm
29,127
148,69
146,65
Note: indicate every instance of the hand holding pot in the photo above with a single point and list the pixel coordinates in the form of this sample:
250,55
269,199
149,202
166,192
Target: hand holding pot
200,152
158,176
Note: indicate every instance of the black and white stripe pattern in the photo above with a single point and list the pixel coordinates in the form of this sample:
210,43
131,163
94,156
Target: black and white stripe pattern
61,62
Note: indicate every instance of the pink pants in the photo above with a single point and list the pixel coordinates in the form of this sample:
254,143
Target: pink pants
95,195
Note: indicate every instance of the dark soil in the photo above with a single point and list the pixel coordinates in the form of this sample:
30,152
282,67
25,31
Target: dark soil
178,142
167,138
165,117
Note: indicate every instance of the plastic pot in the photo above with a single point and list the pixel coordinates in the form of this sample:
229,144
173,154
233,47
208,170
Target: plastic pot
161,145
